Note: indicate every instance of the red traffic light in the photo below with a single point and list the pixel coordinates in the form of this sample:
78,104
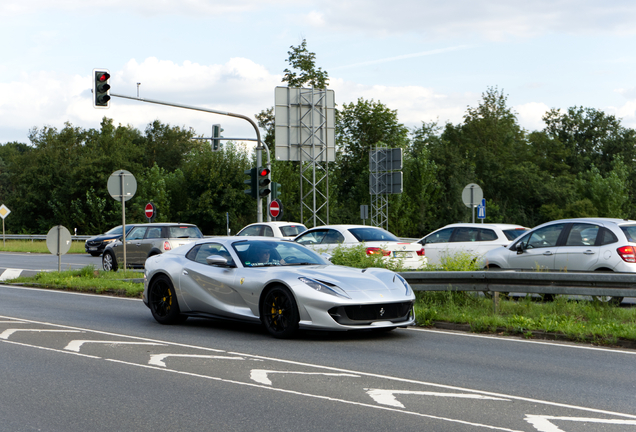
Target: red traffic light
263,172
101,77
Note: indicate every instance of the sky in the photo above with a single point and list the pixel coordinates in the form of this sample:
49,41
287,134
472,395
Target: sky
428,60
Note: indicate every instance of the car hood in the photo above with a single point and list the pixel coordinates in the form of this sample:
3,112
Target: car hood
353,279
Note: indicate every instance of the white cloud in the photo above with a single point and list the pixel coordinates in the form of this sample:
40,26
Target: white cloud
529,115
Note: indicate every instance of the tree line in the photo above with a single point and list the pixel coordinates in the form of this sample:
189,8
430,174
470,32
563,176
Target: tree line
580,164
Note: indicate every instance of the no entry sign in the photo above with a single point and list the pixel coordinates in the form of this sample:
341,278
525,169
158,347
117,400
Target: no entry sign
276,209
150,211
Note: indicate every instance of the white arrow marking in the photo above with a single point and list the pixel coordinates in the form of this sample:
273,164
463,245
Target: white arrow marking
387,397
10,274
8,332
544,423
260,375
157,359
77,344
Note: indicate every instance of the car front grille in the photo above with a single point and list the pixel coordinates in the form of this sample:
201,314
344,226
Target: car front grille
366,314
93,243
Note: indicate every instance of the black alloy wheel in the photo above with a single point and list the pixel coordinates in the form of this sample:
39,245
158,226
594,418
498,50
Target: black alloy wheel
279,313
163,303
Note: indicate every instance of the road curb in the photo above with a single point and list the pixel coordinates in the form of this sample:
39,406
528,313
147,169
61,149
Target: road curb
535,334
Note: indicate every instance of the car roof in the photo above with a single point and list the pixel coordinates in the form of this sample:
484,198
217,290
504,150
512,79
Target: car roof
483,225
275,223
346,226
596,220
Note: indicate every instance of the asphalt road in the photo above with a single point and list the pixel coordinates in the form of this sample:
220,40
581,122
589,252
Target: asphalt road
72,362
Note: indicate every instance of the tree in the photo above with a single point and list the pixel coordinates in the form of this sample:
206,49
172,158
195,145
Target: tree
303,61
360,127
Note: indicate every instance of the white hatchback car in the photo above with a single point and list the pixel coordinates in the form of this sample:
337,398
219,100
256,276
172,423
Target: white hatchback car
474,239
582,244
377,240
287,230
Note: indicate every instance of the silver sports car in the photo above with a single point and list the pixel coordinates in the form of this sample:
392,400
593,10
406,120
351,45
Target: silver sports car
282,284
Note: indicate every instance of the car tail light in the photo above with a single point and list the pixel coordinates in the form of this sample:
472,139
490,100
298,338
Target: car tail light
421,252
377,250
166,245
628,253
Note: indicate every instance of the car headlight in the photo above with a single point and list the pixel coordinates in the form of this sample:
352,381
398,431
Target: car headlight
406,284
327,289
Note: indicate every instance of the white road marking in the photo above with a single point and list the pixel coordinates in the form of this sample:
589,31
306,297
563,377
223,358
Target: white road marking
8,332
157,359
77,344
10,274
387,397
328,398
536,342
260,375
544,423
316,366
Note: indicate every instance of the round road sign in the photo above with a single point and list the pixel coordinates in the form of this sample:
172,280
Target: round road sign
472,195
150,210
274,208
58,240
122,184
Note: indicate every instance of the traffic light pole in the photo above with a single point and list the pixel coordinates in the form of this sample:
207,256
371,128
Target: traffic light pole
259,148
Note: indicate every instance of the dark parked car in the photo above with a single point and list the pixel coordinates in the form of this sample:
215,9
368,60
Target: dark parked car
146,240
95,245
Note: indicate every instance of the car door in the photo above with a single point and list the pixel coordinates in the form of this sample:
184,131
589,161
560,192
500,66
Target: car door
133,246
579,252
208,288
538,249
149,242
436,244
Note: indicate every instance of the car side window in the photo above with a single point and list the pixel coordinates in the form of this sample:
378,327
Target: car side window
486,235
582,235
268,231
332,237
312,237
254,230
137,233
200,252
154,232
441,236
545,237
465,234
606,237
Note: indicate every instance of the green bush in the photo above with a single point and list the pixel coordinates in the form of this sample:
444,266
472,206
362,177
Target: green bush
357,257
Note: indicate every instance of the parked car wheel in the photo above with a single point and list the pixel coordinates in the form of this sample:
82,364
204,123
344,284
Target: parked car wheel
279,313
109,263
162,300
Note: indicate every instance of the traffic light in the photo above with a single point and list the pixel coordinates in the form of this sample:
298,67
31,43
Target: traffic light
276,190
263,182
101,88
216,133
252,191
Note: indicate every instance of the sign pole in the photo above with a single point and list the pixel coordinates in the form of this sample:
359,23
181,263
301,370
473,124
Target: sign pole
123,215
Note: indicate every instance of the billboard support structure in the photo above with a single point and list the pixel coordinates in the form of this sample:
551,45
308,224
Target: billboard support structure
305,121
384,179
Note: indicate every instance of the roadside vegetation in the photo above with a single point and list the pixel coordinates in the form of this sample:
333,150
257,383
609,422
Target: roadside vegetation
36,246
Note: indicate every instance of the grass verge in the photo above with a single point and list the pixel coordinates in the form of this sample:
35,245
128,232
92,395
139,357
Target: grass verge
37,246
583,321
88,280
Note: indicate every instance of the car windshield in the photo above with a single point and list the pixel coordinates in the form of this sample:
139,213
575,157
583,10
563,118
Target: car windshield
263,253
512,234
292,230
185,232
114,231
370,234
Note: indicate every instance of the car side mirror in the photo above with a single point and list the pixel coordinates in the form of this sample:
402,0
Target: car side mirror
519,247
326,256
218,260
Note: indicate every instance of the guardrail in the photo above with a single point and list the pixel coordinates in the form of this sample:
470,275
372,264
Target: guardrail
566,283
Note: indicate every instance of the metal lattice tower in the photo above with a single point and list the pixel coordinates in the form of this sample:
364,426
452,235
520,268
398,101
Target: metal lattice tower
379,200
314,159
